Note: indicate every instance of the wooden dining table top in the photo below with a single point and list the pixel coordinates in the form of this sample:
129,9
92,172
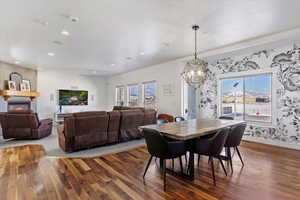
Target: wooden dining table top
189,129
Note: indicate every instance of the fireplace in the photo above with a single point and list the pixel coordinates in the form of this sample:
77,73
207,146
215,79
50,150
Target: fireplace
18,105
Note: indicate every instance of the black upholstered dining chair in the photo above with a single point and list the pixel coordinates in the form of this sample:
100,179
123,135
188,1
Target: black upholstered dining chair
161,121
233,141
160,147
179,119
212,147
226,117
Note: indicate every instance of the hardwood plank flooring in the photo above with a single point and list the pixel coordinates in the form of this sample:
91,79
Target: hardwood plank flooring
26,172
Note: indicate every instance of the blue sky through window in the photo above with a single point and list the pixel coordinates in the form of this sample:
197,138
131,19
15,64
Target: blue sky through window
150,89
134,89
258,84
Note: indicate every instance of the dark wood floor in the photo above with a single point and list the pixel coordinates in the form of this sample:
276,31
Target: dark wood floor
27,173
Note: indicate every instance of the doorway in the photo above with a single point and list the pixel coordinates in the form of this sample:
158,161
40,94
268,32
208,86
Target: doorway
189,101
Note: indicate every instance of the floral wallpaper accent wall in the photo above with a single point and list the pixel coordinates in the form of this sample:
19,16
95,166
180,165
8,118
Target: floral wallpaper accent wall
285,62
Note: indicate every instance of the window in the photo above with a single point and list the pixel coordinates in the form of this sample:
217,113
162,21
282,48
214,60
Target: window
120,95
133,95
149,94
247,98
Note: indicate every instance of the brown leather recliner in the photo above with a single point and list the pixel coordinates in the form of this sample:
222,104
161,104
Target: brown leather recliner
83,130
113,126
130,121
127,108
24,124
149,116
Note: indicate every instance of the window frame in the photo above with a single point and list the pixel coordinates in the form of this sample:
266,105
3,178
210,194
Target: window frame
116,94
249,74
155,93
128,94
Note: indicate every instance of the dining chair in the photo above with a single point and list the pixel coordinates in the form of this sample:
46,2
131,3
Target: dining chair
161,121
164,149
178,119
233,141
212,147
226,117
167,117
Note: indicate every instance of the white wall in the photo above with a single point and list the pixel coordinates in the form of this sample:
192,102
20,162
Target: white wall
48,82
164,74
282,132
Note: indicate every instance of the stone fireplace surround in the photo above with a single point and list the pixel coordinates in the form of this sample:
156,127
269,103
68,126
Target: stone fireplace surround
17,103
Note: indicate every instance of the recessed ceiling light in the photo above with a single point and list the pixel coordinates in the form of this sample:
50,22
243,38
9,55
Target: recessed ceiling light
113,64
17,62
57,42
40,22
142,53
74,19
51,54
65,32
167,44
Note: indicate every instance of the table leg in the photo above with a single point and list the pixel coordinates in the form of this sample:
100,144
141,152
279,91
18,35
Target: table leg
191,171
161,163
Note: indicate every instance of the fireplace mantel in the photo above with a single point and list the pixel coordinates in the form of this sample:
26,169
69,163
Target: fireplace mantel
11,93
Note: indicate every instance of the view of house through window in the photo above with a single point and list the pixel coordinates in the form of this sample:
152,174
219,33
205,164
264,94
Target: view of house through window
133,95
247,98
150,94
120,95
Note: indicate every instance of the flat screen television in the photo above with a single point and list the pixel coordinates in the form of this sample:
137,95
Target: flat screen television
72,97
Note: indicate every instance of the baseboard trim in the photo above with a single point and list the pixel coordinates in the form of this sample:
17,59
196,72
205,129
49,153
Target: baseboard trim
273,143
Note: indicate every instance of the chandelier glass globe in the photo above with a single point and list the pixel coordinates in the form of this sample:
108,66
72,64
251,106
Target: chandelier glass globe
194,71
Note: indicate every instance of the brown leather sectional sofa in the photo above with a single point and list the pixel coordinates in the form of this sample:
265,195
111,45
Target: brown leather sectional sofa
89,129
24,124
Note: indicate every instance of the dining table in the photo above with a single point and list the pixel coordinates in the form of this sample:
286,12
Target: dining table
189,131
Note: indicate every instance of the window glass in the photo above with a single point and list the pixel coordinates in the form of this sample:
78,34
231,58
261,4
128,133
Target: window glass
150,94
133,95
258,92
232,98
120,96
247,98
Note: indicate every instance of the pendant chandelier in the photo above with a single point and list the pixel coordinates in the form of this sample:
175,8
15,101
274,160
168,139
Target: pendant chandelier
194,71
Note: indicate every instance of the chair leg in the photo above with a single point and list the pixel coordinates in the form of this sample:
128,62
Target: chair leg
209,159
186,160
198,160
213,170
173,164
181,167
222,165
164,173
150,159
229,158
239,154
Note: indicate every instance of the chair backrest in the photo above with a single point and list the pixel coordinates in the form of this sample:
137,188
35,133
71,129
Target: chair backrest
167,117
79,124
178,119
150,116
218,141
156,144
113,126
161,121
114,120
19,124
235,135
131,119
226,117
22,119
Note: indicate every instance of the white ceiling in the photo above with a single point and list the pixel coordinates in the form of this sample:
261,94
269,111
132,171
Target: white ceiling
109,31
